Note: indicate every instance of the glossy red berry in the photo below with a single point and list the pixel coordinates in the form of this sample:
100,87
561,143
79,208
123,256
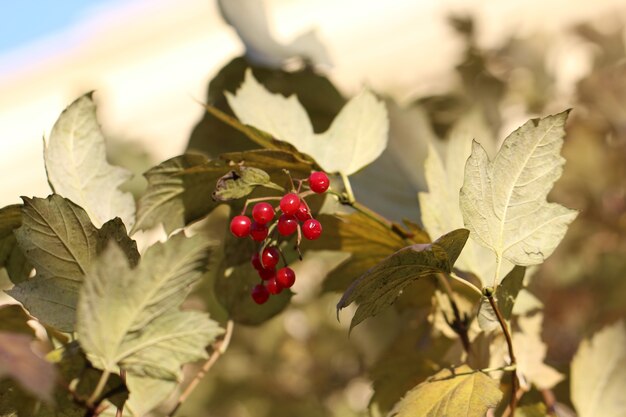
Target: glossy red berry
319,182
258,231
266,274
256,261
287,225
285,277
263,213
289,203
303,214
240,226
270,257
260,294
273,287
312,229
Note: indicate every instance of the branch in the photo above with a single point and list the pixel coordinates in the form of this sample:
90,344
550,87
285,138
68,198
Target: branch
219,348
488,293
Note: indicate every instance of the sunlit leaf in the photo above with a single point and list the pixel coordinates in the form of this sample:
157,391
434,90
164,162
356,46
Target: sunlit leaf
59,240
447,394
146,393
530,352
598,378
505,296
356,137
379,287
11,256
19,362
133,321
77,168
504,201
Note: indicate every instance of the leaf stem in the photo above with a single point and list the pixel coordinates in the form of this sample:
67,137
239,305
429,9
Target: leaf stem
219,348
488,293
506,368
99,388
466,283
348,187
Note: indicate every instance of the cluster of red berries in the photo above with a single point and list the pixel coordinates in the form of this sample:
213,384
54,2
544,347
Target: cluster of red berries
296,217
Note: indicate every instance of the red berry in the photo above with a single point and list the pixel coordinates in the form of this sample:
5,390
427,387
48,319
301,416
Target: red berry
287,225
303,214
318,181
240,226
256,261
285,277
270,257
273,287
289,203
258,231
312,229
260,294
263,213
266,274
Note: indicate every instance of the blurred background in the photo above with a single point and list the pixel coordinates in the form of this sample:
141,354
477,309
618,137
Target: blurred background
151,61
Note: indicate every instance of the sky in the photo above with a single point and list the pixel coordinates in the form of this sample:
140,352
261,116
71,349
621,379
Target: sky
25,21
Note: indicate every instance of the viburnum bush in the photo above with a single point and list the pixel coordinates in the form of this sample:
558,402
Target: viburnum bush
112,337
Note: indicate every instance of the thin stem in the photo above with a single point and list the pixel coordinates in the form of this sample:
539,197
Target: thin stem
518,396
506,368
488,293
459,324
550,401
497,273
219,348
254,200
348,187
466,283
99,388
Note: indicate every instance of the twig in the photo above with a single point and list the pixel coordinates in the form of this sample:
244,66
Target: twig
549,400
460,325
219,348
488,293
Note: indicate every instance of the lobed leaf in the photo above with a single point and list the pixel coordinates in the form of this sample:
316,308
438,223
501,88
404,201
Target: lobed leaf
505,296
450,393
77,168
133,321
59,240
356,137
504,201
379,287
598,378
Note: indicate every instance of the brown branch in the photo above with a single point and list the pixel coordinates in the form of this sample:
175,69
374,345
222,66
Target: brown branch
488,293
460,325
219,348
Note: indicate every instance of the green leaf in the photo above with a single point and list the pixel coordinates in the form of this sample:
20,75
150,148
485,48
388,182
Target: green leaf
440,206
356,137
58,238
14,319
77,168
598,378
505,296
379,287
11,256
19,362
533,410
367,241
133,321
504,201
147,393
447,394
240,183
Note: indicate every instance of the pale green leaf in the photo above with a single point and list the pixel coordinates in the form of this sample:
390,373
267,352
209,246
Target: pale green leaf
447,394
530,352
598,378
504,201
130,318
505,296
77,168
241,182
19,362
58,238
356,137
146,393
379,287
440,206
